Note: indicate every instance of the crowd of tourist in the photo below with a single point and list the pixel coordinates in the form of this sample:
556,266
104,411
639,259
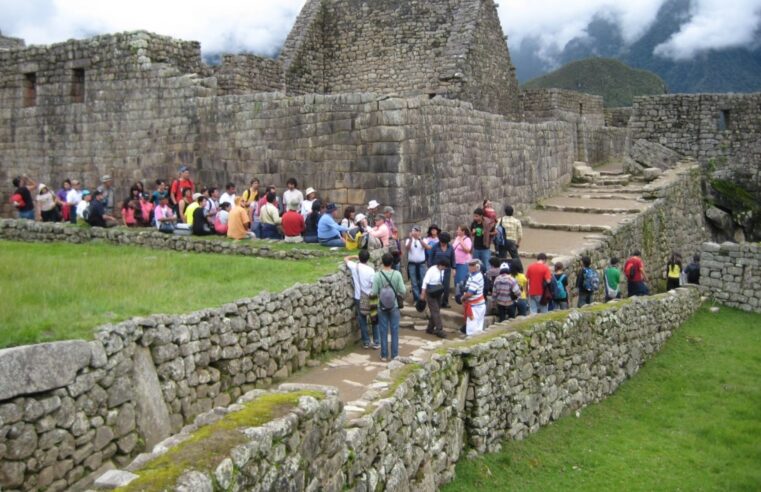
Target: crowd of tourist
480,267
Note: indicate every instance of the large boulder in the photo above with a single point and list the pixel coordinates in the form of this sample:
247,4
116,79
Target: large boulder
651,154
721,221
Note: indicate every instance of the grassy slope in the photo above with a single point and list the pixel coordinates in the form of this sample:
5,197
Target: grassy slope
690,420
62,291
616,82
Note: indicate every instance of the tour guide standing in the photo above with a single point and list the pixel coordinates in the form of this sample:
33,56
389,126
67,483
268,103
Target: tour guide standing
481,230
433,288
329,230
473,299
388,315
513,234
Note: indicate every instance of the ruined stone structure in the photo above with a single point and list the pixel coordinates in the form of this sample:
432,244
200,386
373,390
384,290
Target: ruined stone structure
731,274
7,43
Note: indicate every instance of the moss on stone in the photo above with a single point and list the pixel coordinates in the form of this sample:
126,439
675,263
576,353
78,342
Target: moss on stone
209,445
735,194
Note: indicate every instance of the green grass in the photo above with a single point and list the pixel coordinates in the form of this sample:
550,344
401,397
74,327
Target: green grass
211,444
62,291
689,420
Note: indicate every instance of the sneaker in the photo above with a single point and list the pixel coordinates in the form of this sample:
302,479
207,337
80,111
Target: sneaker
429,331
375,346
463,329
365,345
384,359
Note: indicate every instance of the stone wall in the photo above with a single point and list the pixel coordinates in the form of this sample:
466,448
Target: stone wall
46,232
563,105
731,274
618,117
67,408
722,131
8,43
243,74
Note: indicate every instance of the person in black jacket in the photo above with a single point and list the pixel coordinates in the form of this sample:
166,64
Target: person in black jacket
200,224
585,296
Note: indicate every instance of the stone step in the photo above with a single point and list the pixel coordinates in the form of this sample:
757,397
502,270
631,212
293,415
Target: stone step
612,180
601,195
589,210
531,224
596,188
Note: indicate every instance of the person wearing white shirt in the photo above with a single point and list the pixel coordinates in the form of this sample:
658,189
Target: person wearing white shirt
229,194
363,274
292,193
306,205
433,287
415,248
83,204
73,197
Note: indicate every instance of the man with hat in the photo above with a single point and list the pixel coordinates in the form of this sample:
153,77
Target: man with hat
473,299
432,289
83,205
329,231
183,181
306,205
372,208
415,248
107,193
97,215
73,197
293,223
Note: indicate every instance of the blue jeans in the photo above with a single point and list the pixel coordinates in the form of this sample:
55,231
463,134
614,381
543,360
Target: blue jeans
335,242
584,299
637,289
389,321
460,273
484,255
522,307
362,319
535,305
29,214
269,231
416,272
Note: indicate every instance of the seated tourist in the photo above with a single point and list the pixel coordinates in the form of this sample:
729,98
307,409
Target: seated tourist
311,222
328,230
128,213
239,221
185,201
200,226
293,222
83,206
381,231
220,222
164,215
190,208
269,217
97,216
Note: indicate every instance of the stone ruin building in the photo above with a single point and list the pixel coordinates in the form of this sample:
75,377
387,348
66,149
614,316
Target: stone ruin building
414,104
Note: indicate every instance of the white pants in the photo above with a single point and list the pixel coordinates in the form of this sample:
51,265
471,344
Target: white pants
476,325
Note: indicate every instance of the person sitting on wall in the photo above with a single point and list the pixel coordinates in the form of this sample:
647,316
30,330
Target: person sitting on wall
269,216
96,212
223,216
239,221
329,231
200,226
311,222
293,223
83,207
165,216
185,200
64,208
634,270
161,190
22,197
73,197
306,205
107,198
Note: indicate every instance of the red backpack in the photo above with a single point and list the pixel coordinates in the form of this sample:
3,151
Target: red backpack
18,200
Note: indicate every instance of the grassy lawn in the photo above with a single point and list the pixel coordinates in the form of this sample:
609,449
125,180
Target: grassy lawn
62,291
689,420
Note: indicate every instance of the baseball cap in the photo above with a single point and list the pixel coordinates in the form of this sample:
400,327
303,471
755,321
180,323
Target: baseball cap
373,204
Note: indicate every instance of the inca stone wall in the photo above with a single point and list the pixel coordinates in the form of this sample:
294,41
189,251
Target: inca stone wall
722,131
563,105
420,418
618,117
7,43
66,408
244,74
731,274
454,48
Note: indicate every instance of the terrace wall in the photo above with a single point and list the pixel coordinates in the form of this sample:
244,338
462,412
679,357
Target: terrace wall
730,273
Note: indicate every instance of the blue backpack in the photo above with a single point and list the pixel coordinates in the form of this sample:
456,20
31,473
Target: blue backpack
500,239
558,291
591,280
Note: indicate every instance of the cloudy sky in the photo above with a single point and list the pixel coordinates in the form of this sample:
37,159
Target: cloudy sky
261,26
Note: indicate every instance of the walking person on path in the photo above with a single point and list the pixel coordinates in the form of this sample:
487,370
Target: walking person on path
416,249
387,283
538,273
693,270
473,299
433,288
513,231
506,293
634,269
444,250
482,230
561,279
585,282
363,274
612,277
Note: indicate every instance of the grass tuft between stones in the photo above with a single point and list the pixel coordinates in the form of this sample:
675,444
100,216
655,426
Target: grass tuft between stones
210,445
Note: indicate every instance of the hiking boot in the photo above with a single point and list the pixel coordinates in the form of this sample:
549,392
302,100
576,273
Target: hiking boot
429,331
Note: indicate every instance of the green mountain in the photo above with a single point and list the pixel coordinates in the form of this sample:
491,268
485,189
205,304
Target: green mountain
611,79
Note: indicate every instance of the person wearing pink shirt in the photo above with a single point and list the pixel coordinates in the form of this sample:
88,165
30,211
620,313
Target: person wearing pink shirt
381,231
463,247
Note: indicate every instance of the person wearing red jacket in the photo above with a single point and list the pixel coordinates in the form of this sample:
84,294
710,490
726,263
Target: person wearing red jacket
634,270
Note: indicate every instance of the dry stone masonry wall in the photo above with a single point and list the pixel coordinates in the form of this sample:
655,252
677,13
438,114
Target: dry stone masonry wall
731,274
67,408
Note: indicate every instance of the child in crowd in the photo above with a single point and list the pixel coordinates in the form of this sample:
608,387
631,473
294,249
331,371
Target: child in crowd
516,271
612,278
491,274
506,293
561,287
220,222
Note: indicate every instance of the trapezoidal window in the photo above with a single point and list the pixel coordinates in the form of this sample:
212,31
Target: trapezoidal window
725,120
30,90
78,85
581,109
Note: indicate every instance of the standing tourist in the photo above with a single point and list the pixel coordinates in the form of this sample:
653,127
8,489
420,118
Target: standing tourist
587,281
612,278
432,290
693,270
506,293
388,286
443,250
107,194
292,192
328,230
538,274
372,208
673,271
481,230
251,194
239,221
634,270
560,278
73,197
22,197
176,191
415,248
293,223
473,299
381,231
64,207
47,203
363,275
431,241
513,233
516,271
311,222
462,246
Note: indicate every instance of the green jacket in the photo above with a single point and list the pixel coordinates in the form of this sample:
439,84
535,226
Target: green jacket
397,282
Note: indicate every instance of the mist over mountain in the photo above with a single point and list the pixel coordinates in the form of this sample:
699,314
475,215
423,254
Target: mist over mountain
735,69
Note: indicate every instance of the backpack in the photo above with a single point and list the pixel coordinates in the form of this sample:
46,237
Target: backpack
591,280
500,239
387,299
18,201
558,291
